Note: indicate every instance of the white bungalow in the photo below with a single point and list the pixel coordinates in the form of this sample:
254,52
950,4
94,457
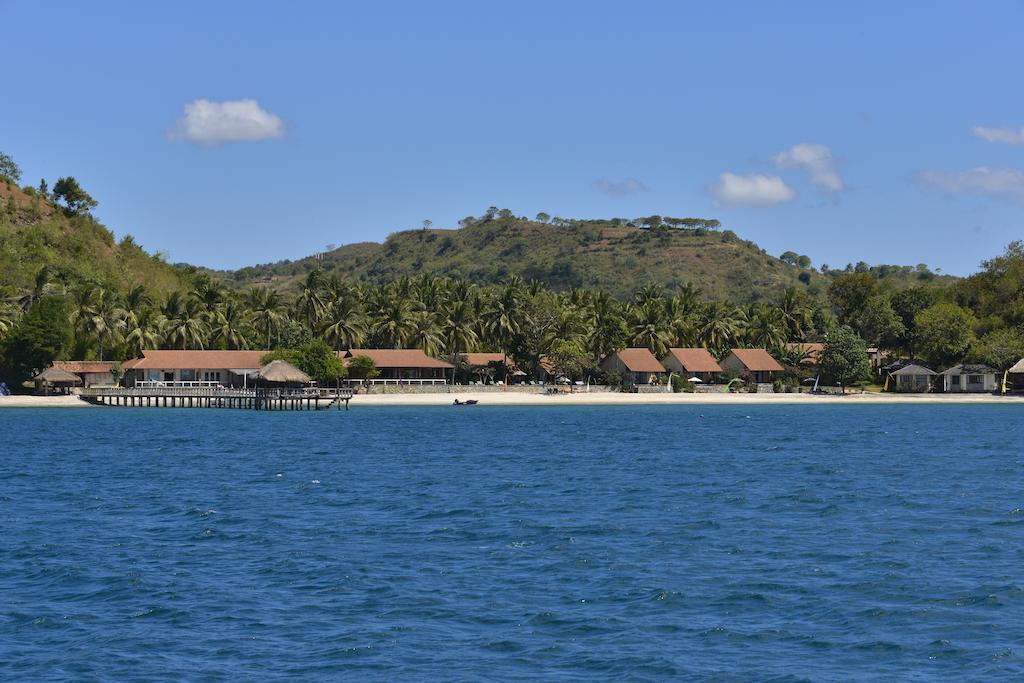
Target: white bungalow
974,379
913,378
230,368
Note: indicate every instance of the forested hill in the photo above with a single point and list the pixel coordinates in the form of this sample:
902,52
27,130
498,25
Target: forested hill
45,244
617,256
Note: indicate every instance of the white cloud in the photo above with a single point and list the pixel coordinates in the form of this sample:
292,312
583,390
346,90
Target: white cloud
1010,136
209,123
999,183
619,188
816,160
751,190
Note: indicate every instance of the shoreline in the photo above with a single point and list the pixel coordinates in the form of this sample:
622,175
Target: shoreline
597,398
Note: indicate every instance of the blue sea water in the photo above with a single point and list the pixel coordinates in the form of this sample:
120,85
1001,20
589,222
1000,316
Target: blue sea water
725,543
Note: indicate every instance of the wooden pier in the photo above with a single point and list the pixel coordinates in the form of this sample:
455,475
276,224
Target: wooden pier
307,398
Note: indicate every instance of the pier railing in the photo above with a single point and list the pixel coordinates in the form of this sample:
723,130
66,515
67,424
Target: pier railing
218,391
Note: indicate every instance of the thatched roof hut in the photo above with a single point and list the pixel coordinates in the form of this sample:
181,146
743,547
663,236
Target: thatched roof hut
281,372
55,377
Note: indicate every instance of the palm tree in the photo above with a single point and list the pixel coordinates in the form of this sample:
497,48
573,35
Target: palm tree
425,334
184,327
503,318
344,325
394,324
267,309
143,330
229,325
646,323
97,316
311,303
795,316
648,294
8,317
137,298
458,327
606,329
763,328
719,327
41,286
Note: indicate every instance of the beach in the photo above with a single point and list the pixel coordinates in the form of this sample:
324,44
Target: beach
595,398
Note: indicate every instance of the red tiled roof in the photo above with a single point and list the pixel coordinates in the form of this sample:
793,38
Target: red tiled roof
197,360
696,360
397,358
757,360
84,366
640,360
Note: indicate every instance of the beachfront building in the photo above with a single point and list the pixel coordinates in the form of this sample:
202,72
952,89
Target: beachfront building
403,366
912,378
488,367
1015,377
754,365
636,365
56,381
692,363
969,378
227,368
93,373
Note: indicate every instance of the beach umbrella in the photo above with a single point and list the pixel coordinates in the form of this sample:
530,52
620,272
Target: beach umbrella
282,372
695,380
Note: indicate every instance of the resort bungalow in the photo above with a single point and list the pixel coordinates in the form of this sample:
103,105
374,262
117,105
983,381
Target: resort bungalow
229,368
93,373
913,378
756,364
636,365
397,365
965,378
487,367
692,363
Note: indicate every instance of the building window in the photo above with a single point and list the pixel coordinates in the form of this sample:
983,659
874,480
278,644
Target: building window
955,380
975,379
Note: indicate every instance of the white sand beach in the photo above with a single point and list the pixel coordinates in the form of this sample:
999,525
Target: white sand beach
43,402
594,398
613,398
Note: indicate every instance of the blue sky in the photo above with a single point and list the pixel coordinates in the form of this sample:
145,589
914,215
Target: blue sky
884,132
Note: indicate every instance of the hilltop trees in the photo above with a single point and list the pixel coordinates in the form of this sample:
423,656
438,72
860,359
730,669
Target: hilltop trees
76,199
9,169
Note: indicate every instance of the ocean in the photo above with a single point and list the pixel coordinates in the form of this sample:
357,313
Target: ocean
727,543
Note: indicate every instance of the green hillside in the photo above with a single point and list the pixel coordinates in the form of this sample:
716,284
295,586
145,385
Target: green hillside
37,234
599,254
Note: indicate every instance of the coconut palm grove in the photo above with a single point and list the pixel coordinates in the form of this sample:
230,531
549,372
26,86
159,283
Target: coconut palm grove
68,289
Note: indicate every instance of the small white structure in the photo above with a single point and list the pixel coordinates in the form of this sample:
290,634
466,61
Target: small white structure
913,378
969,379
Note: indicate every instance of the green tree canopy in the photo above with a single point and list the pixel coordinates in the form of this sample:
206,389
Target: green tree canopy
75,197
845,357
37,340
8,168
999,348
315,358
944,333
362,367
